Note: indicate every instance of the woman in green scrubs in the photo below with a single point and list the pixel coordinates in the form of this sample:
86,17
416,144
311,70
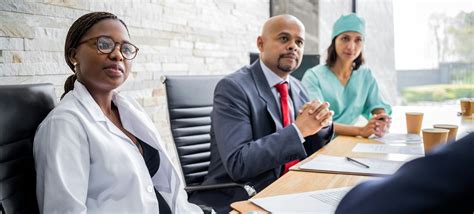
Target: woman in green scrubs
347,85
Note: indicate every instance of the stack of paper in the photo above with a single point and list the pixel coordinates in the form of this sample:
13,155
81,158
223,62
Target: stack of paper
416,150
334,164
396,138
323,201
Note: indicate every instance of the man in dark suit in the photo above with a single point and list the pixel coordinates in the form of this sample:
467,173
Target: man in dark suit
259,126
441,182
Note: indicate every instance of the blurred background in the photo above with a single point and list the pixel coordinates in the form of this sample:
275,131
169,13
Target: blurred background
434,50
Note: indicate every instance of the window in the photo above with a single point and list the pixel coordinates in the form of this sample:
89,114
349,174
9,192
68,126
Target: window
434,51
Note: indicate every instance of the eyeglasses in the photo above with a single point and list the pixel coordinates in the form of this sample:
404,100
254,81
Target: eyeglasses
107,45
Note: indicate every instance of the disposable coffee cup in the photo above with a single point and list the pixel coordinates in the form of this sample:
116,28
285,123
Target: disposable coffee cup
453,130
414,122
471,108
466,107
433,138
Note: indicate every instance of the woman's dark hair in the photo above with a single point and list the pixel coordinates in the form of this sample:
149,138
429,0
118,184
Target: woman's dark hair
332,57
74,36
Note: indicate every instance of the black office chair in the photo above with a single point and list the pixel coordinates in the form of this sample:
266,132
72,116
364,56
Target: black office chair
22,108
309,61
190,101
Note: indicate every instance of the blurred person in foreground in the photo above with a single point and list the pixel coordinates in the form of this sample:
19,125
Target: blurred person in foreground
441,182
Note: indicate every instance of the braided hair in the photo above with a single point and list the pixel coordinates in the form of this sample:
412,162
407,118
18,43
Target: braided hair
78,29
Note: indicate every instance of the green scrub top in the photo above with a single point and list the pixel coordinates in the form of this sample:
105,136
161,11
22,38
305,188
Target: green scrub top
359,97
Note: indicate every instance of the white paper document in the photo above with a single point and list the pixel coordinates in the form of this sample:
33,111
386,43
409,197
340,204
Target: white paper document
390,149
396,138
322,201
334,164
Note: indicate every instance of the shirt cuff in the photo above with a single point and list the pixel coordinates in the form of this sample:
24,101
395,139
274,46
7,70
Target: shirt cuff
299,133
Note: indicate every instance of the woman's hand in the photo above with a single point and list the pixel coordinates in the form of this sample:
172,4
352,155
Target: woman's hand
378,125
382,124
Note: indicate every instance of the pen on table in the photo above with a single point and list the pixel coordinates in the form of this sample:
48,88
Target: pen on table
357,162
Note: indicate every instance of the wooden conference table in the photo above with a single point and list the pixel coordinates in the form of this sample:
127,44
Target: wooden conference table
297,181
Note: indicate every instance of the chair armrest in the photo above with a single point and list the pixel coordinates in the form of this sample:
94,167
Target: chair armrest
249,189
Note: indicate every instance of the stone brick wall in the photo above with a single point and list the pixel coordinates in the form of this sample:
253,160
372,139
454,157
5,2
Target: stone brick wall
308,13
174,37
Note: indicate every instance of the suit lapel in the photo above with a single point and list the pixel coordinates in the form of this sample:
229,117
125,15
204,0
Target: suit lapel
265,93
296,96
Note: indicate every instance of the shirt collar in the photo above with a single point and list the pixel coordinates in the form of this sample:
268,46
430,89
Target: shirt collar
271,76
82,94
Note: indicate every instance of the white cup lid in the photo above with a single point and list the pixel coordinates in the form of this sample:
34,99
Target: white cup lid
450,126
414,113
435,130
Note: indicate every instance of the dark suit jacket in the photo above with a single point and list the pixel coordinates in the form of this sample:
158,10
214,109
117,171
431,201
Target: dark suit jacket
441,182
248,142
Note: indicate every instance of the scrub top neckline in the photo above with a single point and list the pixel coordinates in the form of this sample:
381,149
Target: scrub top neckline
329,70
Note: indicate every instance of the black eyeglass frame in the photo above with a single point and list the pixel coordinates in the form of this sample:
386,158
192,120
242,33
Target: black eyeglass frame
111,50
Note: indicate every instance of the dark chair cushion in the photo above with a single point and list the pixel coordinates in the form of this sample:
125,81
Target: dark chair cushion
190,104
22,108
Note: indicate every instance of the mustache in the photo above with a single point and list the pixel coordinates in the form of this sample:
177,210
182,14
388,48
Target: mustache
290,55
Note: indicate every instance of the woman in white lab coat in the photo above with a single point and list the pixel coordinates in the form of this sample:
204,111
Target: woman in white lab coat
97,151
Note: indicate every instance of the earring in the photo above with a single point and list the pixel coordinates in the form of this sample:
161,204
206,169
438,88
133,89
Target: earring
75,66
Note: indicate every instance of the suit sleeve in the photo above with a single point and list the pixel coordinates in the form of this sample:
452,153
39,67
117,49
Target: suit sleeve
441,182
315,142
242,156
62,165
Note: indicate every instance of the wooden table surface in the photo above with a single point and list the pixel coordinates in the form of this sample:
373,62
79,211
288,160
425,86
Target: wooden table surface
297,181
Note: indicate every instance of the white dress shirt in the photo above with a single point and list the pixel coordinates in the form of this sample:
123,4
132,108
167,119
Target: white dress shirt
273,80
85,164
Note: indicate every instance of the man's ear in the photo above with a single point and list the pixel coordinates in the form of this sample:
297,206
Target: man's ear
260,43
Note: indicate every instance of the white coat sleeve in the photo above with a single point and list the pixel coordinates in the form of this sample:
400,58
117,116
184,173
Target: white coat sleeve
61,152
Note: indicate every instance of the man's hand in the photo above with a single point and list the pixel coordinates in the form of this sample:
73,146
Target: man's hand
312,117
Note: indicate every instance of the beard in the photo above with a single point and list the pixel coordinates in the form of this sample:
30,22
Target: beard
286,68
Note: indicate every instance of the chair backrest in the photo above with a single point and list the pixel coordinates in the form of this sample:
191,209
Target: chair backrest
190,101
309,61
22,108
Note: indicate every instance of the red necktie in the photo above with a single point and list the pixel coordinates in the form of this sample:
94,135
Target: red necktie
285,112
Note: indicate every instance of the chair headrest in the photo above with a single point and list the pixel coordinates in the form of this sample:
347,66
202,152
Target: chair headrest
22,108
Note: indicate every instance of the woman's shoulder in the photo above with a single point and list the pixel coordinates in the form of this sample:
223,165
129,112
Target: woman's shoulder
319,68
364,71
318,71
67,109
121,98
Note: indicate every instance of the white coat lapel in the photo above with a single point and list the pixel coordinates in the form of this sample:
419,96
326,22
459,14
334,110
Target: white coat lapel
85,99
137,122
